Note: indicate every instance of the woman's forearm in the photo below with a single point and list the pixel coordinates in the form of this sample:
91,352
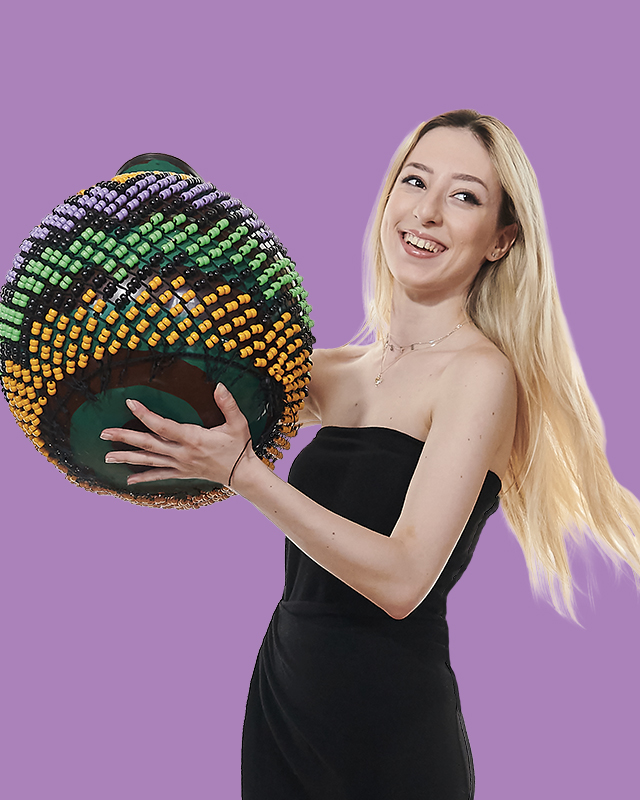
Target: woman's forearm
374,565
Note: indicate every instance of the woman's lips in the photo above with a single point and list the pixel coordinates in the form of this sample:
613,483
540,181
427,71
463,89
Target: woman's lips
419,252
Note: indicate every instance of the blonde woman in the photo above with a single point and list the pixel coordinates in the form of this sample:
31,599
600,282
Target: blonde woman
470,394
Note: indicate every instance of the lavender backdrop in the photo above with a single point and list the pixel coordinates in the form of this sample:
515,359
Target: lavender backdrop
129,635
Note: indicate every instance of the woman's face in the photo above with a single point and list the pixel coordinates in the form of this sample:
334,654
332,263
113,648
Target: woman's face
441,221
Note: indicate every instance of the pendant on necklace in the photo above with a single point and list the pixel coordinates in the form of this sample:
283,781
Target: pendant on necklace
378,379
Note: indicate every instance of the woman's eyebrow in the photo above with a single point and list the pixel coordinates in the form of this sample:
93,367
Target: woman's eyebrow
458,176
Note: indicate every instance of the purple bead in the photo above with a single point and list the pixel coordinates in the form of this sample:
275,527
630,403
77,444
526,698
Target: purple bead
122,214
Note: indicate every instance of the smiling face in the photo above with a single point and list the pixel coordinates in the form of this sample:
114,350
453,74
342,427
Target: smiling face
441,220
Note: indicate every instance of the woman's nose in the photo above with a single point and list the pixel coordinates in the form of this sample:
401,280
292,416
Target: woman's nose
429,208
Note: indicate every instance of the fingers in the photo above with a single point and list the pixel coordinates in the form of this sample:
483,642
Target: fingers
166,428
227,404
152,475
139,458
140,439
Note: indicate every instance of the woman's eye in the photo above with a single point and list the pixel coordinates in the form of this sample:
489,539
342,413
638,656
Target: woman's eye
414,180
468,197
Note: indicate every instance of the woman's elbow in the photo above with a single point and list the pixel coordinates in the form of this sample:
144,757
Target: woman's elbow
405,601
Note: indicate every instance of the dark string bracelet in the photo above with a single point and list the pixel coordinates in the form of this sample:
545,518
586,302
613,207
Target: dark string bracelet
233,469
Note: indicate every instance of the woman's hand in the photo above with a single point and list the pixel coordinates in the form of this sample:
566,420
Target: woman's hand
176,450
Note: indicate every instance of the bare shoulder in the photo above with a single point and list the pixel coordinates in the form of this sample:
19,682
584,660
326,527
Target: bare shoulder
337,356
476,403
328,365
483,369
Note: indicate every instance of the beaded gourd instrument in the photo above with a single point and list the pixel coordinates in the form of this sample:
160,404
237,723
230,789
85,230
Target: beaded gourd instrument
154,285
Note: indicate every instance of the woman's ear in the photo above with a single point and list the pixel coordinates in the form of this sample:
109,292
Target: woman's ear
503,243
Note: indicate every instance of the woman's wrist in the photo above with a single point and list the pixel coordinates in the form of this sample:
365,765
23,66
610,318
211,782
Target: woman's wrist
248,474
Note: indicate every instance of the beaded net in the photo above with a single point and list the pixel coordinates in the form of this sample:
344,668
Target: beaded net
155,286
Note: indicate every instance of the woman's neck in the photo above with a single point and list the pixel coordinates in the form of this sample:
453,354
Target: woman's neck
416,322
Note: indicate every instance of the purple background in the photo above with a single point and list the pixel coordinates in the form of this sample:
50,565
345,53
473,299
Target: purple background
129,634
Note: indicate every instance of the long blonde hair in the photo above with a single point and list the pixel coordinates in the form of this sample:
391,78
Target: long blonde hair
558,480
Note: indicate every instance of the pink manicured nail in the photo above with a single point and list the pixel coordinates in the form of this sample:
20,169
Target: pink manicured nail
222,390
131,404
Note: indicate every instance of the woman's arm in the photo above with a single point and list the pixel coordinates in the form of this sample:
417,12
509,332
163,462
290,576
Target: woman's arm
471,418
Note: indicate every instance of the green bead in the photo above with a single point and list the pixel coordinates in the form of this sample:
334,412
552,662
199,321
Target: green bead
179,219
156,219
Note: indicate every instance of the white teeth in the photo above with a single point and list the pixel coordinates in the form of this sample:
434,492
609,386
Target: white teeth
423,244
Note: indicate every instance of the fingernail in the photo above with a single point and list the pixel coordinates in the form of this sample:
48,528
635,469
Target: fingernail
131,404
222,390
109,458
105,435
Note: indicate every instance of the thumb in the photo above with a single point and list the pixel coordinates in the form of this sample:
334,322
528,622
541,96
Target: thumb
227,404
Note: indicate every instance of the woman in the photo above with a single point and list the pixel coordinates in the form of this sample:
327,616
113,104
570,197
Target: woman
471,392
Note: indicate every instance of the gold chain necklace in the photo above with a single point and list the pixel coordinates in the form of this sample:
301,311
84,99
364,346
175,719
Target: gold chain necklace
388,345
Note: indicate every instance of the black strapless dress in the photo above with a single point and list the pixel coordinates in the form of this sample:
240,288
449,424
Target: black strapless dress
345,702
